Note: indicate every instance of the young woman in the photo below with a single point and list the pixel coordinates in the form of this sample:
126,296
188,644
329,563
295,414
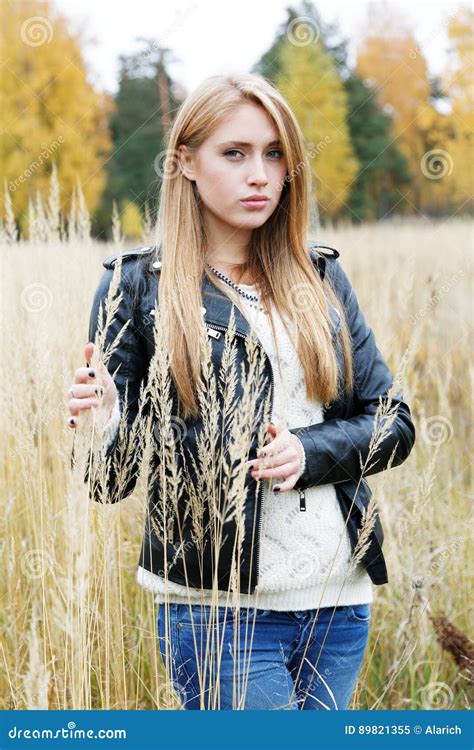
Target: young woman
262,603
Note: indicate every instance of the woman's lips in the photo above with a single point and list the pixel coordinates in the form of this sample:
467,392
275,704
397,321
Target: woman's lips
255,203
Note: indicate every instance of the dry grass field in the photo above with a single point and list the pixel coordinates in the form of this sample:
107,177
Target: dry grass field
78,632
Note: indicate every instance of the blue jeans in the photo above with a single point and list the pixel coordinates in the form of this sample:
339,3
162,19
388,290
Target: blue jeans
247,659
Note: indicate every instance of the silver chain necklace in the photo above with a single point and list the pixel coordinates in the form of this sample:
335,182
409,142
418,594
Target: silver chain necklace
230,283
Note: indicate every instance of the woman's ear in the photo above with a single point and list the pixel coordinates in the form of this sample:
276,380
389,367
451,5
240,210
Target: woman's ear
186,162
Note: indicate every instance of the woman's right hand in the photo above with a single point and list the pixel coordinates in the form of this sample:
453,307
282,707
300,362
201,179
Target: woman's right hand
91,389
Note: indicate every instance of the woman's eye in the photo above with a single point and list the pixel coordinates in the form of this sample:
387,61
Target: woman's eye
273,151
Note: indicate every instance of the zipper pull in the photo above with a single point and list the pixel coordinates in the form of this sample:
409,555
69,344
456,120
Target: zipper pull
169,529
212,332
302,499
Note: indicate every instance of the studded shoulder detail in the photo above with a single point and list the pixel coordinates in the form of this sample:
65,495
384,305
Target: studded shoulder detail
128,255
319,258
316,247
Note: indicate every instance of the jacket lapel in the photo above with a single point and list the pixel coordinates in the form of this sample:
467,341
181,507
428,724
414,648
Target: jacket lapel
218,308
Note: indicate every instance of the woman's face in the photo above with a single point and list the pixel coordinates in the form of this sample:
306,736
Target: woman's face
240,159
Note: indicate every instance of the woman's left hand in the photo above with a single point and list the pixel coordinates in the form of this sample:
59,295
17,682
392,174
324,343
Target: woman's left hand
280,458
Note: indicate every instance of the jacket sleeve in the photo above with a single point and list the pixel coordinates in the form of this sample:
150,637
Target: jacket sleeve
337,448
120,458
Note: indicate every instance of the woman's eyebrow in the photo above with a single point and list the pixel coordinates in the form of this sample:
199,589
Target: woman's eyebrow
244,144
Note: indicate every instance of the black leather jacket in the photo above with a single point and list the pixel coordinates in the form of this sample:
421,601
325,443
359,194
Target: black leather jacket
334,448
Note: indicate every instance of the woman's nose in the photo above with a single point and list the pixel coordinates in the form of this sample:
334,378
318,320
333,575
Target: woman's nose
258,174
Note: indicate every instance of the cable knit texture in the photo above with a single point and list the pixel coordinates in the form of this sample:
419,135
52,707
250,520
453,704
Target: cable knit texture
304,558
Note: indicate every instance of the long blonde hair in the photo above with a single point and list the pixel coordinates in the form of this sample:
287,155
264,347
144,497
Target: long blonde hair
278,253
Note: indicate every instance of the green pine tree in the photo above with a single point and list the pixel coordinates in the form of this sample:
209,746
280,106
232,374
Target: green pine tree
383,169
143,104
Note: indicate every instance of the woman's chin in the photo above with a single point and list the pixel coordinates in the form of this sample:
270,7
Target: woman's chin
247,221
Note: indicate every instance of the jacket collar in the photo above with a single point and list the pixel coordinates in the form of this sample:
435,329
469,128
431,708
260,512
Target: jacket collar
218,306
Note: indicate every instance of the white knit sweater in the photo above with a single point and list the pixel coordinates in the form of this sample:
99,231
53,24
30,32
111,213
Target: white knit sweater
304,558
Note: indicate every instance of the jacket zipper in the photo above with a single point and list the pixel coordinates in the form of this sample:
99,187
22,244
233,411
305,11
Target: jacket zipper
261,490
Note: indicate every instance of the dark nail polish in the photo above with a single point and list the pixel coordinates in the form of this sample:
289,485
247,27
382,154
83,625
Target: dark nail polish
276,489
92,373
